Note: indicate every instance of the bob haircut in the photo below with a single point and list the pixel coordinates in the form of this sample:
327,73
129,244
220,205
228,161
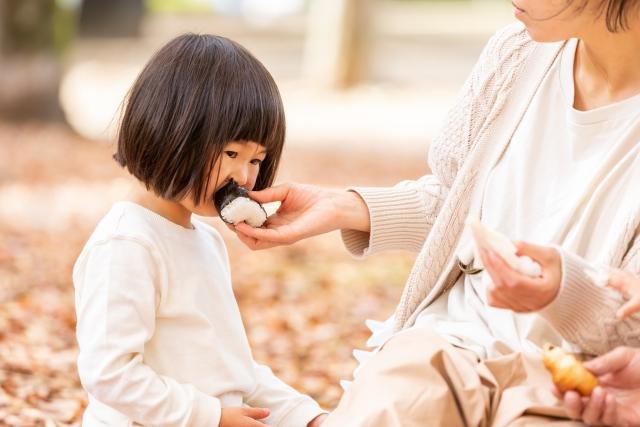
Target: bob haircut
198,93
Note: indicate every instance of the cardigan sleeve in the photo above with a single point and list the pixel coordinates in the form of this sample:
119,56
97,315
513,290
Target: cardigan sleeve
584,312
117,292
402,216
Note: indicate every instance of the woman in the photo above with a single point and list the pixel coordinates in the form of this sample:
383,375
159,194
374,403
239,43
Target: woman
542,145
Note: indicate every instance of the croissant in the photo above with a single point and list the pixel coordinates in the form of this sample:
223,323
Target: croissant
567,372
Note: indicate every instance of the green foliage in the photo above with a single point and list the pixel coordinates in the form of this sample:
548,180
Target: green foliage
65,22
173,6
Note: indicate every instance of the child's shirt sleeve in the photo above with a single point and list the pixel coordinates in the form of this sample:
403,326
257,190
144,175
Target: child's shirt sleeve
288,407
118,288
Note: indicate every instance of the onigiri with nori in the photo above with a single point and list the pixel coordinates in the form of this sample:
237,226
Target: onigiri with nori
235,206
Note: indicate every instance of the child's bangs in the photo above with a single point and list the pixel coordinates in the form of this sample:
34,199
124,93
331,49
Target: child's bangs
254,112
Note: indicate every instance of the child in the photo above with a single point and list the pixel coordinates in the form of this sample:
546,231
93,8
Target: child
160,334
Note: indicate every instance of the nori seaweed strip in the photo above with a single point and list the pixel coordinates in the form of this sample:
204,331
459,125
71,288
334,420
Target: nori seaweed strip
229,193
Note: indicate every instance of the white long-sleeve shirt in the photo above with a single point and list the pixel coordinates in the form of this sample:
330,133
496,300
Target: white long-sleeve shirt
159,330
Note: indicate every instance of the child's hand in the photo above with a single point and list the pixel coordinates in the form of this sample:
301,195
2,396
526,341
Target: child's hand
242,417
317,421
628,285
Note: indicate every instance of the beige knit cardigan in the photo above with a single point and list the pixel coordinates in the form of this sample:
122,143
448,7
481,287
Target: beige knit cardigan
428,215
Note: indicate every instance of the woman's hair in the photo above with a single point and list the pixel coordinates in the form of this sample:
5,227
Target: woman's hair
617,13
198,93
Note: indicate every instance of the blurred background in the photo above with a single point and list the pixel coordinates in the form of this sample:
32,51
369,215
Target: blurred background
365,84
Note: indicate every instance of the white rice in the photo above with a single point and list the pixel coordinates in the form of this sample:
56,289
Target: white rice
244,209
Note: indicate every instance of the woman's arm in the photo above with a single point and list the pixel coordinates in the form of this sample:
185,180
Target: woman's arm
399,217
305,211
371,219
583,311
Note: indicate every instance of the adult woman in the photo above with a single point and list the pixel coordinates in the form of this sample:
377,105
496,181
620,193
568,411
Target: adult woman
542,145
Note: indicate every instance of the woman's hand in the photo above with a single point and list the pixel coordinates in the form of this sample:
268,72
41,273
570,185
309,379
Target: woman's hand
305,211
517,292
242,417
616,401
628,285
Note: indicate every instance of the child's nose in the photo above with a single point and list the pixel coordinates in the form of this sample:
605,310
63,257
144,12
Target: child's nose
241,177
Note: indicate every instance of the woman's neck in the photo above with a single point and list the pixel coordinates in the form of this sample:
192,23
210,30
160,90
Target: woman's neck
173,211
607,67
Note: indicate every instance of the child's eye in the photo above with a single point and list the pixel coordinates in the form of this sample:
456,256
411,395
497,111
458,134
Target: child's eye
256,162
231,154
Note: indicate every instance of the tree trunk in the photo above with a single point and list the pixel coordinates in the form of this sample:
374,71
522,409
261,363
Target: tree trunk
29,68
111,18
338,39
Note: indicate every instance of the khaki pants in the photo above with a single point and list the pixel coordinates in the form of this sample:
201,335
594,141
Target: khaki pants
419,379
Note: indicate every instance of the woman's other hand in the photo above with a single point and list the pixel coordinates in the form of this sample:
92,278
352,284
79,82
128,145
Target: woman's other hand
616,401
515,291
628,285
305,211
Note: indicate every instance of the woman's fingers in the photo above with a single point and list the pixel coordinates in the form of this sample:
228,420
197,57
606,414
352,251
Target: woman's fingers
629,308
521,292
610,417
610,362
272,194
537,253
274,235
506,289
594,409
623,282
501,273
573,405
255,244
628,285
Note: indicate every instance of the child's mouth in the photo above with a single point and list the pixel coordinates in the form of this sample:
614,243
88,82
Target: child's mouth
226,192
235,206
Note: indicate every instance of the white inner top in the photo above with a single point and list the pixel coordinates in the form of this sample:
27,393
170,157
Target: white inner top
559,163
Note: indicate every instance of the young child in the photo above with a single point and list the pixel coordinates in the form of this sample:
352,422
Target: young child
160,334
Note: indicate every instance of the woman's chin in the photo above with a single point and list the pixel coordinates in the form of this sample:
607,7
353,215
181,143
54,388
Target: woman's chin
542,36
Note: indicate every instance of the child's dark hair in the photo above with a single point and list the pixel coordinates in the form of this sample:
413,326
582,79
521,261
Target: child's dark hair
198,93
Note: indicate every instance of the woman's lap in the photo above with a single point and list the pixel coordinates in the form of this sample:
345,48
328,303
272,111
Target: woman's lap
419,379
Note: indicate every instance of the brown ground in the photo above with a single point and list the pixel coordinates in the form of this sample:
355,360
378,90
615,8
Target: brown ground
303,306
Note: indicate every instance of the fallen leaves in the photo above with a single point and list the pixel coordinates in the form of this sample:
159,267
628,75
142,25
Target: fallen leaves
303,306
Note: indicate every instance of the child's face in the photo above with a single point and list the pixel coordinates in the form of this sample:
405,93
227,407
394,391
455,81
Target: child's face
239,161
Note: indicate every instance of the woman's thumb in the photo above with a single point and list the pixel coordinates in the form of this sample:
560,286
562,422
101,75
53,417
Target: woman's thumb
535,252
611,362
271,194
